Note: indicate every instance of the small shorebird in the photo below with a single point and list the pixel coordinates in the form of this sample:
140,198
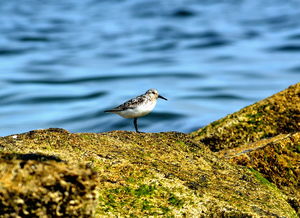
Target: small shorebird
138,106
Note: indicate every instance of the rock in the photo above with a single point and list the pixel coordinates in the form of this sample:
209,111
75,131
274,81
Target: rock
278,114
146,174
39,186
277,159
264,137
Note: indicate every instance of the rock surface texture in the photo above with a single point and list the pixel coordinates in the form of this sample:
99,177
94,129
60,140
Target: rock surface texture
264,137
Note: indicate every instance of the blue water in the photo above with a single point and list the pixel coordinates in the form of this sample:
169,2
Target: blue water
63,62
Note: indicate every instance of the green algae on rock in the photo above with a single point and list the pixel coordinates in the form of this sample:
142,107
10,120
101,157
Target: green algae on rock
278,114
155,174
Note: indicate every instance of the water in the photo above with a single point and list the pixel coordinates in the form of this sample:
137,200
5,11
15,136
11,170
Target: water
62,63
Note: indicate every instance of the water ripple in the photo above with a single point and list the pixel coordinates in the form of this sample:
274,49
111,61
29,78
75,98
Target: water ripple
217,97
33,39
80,117
12,99
286,48
165,116
294,36
183,13
103,78
13,51
210,44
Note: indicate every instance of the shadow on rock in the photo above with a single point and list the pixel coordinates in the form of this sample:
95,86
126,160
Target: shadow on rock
30,156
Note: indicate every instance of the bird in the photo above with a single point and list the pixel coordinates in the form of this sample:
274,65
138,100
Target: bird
137,107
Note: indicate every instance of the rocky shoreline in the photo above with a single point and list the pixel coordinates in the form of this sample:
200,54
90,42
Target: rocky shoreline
243,165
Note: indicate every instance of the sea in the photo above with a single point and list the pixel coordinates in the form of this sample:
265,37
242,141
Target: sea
63,62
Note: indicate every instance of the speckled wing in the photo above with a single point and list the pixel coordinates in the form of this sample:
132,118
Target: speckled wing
130,104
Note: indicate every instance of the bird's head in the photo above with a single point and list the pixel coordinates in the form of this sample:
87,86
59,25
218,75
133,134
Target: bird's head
153,93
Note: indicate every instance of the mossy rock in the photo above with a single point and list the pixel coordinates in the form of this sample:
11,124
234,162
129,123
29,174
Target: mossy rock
154,174
278,114
277,159
36,185
263,137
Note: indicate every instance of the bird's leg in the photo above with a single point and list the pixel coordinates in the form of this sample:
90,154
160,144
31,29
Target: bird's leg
135,125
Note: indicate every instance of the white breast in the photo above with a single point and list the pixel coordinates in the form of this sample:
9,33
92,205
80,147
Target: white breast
139,111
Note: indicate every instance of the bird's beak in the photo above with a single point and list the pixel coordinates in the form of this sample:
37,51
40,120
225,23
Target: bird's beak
162,97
